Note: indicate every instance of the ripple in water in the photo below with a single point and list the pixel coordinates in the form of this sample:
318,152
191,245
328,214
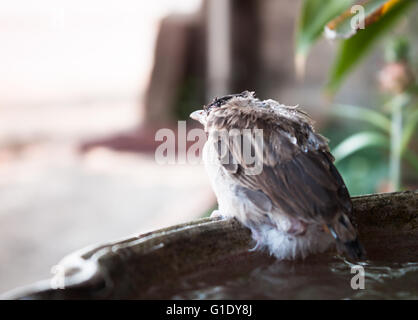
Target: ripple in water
326,277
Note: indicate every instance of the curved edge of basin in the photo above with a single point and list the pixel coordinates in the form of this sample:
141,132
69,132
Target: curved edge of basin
127,267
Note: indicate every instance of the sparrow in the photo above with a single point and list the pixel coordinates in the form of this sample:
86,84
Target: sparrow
297,203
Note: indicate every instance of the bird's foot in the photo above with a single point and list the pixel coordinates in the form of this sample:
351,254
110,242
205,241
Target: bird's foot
217,215
256,247
257,237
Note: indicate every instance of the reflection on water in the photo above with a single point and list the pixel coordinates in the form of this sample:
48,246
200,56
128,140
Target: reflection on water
391,272
326,277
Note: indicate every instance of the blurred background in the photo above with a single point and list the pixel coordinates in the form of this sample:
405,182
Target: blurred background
84,86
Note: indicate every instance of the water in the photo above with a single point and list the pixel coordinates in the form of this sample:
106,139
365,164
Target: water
316,278
391,273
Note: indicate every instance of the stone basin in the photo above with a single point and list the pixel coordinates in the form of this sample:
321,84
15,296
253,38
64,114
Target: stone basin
151,265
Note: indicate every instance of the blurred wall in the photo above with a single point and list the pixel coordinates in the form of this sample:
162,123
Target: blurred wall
190,60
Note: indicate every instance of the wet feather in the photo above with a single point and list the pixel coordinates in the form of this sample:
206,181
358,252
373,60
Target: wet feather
298,190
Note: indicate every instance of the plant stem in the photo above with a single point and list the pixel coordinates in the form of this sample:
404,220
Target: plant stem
395,147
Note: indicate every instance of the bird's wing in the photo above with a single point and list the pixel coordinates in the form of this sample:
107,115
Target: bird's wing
300,178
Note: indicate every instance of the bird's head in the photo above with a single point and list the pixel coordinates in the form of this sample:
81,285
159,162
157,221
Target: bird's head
202,115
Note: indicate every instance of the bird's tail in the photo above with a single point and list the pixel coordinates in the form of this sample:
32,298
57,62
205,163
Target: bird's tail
345,236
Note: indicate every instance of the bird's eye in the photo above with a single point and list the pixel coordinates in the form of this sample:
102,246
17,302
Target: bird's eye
219,102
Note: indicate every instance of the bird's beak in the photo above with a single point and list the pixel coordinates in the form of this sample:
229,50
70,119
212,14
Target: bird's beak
198,115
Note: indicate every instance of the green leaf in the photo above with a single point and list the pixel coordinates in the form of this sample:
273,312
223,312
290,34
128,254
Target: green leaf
352,50
409,130
411,158
359,141
362,114
398,101
314,15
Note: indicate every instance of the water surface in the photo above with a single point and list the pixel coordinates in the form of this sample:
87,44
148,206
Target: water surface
391,272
